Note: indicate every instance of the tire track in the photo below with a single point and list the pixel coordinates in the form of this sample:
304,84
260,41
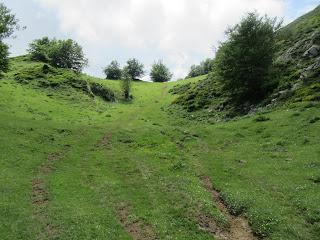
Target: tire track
239,227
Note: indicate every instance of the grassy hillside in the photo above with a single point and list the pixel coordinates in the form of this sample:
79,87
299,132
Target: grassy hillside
295,74
75,166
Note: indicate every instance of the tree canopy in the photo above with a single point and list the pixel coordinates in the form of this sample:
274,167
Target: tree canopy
113,70
244,60
160,73
8,24
203,68
59,53
134,68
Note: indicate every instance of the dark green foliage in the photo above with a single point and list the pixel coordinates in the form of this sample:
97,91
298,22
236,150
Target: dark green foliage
39,49
261,118
314,119
126,82
134,68
59,53
160,72
205,67
4,60
291,78
8,24
180,89
204,94
103,92
243,62
113,71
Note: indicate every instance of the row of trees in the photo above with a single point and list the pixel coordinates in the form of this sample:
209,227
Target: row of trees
243,62
203,68
135,70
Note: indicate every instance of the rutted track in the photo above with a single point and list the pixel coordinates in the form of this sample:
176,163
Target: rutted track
239,228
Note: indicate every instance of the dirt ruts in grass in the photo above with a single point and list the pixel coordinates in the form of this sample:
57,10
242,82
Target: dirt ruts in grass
40,196
104,140
137,229
164,91
39,190
239,228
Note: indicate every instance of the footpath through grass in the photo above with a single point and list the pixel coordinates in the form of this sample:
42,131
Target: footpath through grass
77,168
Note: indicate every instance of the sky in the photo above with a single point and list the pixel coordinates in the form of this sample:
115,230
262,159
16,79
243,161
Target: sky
178,32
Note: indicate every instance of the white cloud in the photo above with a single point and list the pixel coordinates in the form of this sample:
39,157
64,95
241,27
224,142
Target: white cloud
181,32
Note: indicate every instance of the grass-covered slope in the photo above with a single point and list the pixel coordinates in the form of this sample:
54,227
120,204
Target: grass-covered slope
43,76
74,166
296,73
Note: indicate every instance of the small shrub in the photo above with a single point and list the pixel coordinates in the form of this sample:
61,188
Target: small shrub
178,166
314,120
103,92
261,118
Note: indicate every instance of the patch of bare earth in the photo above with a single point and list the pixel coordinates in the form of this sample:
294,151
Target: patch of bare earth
40,197
239,228
104,140
137,229
39,192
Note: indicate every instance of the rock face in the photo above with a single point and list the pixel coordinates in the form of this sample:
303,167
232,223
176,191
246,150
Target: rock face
312,52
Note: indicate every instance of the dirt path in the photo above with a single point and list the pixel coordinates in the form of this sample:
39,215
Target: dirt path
40,196
239,227
164,91
137,229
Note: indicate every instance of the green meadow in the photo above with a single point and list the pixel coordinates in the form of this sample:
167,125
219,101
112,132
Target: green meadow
74,166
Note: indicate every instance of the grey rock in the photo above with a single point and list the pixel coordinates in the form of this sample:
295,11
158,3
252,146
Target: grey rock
312,52
296,86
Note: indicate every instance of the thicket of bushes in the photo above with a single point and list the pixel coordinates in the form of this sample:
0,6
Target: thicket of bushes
58,53
203,68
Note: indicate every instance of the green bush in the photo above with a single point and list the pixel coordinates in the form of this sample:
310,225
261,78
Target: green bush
160,73
59,53
203,68
113,71
261,118
243,62
103,92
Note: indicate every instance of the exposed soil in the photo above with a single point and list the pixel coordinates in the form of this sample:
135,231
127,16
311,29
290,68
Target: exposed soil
239,227
137,229
104,140
40,195
39,192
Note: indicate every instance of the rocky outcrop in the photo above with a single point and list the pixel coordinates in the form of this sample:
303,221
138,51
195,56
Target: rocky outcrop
312,52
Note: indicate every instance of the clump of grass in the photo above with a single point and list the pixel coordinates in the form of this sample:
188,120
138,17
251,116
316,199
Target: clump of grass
314,119
264,222
261,118
178,166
